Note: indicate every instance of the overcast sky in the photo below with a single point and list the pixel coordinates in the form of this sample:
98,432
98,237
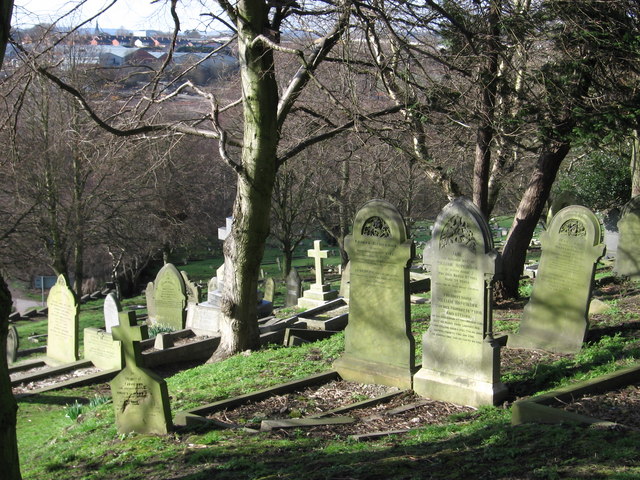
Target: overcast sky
130,14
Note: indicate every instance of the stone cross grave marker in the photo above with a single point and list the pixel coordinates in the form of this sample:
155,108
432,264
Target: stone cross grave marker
379,346
140,397
628,254
269,289
62,332
170,297
294,288
461,358
13,343
319,292
112,309
556,317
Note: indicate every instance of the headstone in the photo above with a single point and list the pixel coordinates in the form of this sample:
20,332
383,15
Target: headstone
269,289
140,397
103,351
319,292
461,358
151,302
559,201
294,288
611,232
345,282
112,309
170,297
556,317
628,255
379,346
203,319
13,343
62,332
214,296
192,290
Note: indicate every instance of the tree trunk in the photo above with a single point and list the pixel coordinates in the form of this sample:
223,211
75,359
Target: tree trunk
529,210
244,247
635,163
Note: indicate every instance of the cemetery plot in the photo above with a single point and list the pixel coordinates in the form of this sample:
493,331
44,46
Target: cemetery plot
620,406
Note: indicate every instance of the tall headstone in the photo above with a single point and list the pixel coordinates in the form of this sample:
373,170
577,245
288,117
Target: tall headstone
461,358
13,343
170,297
112,309
294,288
62,332
269,289
556,317
319,292
379,346
192,290
140,397
150,295
628,255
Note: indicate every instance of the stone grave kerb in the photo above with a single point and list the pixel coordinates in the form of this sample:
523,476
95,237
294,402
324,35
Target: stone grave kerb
130,334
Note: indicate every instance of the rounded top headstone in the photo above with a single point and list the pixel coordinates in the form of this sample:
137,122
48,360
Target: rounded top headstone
380,219
576,221
461,223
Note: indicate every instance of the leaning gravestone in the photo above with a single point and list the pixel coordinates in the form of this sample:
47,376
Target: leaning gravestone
556,317
294,288
170,297
379,347
628,254
13,343
461,358
111,309
140,397
62,332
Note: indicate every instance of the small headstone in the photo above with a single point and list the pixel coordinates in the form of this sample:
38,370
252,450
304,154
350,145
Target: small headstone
628,255
103,351
62,332
112,309
13,343
294,288
379,346
170,297
192,290
269,289
461,358
319,292
556,317
151,302
345,282
611,232
140,397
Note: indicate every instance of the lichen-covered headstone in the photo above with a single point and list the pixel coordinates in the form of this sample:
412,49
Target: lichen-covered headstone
294,288
111,309
556,317
13,343
628,254
170,297
269,289
379,347
62,331
461,358
140,397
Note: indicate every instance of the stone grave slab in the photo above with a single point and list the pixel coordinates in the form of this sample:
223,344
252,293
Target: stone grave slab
140,397
13,344
62,331
170,297
556,317
319,292
112,309
103,351
294,288
379,346
627,263
461,358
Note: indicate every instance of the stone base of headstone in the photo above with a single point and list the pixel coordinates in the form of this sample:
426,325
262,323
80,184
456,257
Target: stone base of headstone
317,295
103,351
359,370
484,388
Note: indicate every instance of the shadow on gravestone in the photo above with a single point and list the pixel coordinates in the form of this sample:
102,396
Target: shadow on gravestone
62,329
627,262
556,317
140,397
379,346
461,358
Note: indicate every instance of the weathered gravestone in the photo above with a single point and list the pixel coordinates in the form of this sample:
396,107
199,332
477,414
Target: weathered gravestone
140,397
379,346
269,289
345,282
192,290
170,297
319,292
461,358
628,255
151,302
294,288
13,343
611,232
556,317
62,332
103,351
111,309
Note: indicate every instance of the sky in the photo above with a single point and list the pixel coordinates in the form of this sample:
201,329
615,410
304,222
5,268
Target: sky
130,14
